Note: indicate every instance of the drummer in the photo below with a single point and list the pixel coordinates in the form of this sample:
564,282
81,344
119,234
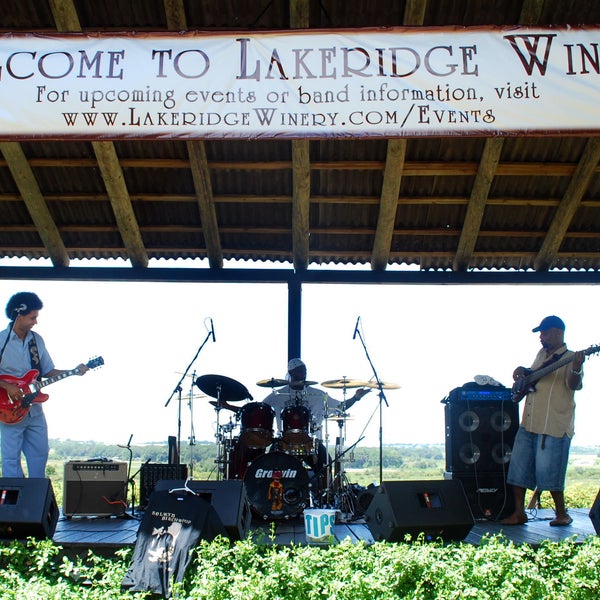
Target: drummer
317,401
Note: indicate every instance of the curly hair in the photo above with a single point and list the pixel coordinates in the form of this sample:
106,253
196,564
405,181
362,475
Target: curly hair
22,303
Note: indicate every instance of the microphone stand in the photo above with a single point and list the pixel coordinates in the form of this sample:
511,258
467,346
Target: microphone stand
382,399
177,390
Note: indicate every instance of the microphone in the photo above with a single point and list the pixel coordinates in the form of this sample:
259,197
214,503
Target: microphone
356,328
212,330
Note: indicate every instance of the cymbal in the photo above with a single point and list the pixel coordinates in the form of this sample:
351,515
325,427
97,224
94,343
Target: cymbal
386,385
223,388
340,418
272,383
344,383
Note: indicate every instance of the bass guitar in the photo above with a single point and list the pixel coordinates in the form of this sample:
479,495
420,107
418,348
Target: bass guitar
521,387
14,411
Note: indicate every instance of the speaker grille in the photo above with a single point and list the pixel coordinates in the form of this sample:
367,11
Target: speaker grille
151,474
480,436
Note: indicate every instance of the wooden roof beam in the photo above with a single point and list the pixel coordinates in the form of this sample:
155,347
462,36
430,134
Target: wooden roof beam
206,203
414,14
490,158
388,204
177,21
114,182
66,19
35,203
300,19
488,167
568,206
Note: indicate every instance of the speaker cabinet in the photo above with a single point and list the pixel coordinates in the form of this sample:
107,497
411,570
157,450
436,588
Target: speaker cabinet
438,509
227,497
480,435
595,514
95,488
151,474
488,495
27,508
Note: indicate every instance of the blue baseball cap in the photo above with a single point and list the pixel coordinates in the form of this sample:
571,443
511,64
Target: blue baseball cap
549,323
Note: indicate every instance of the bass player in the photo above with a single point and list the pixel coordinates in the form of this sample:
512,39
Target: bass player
22,350
541,448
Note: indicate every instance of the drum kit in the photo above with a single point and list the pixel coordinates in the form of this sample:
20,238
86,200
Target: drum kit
287,473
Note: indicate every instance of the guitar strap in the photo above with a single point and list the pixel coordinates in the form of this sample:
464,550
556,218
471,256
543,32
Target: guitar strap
34,355
552,359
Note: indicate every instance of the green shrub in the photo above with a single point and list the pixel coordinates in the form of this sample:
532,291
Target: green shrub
250,571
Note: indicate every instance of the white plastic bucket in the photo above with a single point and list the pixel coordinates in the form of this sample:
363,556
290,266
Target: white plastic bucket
319,524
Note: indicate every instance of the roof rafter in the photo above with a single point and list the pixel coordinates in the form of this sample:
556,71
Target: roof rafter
66,19
477,202
488,169
176,21
568,206
300,19
34,200
414,14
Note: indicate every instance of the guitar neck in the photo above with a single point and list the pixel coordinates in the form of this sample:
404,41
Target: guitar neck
55,378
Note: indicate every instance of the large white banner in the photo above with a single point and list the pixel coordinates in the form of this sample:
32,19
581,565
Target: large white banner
340,83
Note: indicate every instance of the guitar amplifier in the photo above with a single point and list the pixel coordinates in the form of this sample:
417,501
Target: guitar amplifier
95,488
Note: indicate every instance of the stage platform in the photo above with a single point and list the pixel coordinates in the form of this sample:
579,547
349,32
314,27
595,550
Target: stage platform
106,534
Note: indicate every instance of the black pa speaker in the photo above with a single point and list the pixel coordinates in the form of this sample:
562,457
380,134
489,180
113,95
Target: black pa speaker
488,494
595,514
95,488
27,508
227,497
480,435
438,509
151,474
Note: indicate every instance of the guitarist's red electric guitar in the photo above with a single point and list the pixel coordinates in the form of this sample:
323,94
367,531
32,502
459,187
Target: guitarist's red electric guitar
521,387
13,412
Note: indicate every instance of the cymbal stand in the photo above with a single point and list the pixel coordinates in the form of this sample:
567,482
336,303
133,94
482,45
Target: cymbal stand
192,438
382,399
328,497
345,498
177,390
219,438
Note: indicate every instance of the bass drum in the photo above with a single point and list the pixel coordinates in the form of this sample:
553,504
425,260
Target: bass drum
277,485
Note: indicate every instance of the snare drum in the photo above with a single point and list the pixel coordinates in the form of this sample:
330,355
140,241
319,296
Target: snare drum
257,425
296,438
277,485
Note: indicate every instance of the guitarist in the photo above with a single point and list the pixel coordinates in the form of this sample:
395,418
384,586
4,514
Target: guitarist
20,351
541,449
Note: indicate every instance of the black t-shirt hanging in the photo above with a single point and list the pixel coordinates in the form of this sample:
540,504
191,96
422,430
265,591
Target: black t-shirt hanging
170,529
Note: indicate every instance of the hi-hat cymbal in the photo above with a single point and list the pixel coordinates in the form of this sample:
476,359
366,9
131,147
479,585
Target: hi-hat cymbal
344,383
272,383
386,385
223,388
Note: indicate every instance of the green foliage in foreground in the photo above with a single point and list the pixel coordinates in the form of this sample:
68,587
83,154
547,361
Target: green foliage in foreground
495,569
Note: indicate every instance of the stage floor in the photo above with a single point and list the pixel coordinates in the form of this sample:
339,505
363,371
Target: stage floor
107,534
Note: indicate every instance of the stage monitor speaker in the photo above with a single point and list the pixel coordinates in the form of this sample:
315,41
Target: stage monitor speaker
27,508
480,435
438,509
151,474
227,497
95,488
595,514
488,495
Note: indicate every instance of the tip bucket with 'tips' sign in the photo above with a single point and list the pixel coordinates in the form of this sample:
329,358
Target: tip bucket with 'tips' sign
319,524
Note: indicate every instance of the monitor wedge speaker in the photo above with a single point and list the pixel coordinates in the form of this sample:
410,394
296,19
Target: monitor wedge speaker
436,509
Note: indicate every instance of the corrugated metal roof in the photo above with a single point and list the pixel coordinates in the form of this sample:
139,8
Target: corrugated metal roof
252,181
